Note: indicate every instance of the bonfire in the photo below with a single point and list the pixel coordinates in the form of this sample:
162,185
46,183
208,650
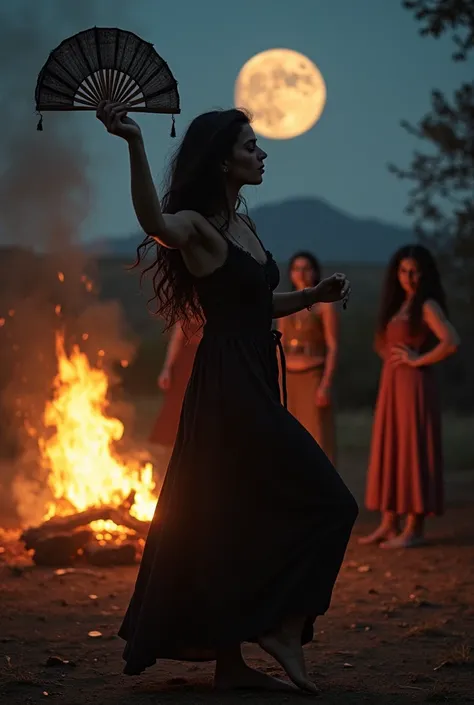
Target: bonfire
97,500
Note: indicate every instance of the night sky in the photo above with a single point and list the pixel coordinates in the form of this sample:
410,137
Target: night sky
377,69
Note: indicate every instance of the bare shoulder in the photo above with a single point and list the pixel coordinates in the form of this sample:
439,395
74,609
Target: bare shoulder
436,319
190,215
195,230
194,219
248,220
204,249
189,218
432,309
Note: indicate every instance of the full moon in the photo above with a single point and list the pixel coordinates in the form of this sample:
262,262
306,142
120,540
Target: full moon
284,92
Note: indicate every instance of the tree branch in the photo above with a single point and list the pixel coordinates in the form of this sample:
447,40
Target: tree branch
440,16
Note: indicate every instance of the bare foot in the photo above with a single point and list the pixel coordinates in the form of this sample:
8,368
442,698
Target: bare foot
381,534
250,679
289,654
404,541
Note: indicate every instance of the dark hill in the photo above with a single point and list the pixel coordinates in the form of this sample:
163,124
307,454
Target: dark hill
306,223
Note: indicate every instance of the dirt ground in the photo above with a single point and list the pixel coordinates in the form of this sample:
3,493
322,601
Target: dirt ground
400,630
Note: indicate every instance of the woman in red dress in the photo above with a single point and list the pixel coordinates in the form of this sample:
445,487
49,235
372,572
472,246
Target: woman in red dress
173,380
405,475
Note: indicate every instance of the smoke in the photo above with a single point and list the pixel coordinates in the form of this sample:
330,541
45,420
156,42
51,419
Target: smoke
45,196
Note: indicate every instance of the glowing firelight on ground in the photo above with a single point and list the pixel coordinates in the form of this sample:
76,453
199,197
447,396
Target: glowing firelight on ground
84,470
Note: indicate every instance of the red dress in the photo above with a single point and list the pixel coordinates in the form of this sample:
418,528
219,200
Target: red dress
166,425
406,462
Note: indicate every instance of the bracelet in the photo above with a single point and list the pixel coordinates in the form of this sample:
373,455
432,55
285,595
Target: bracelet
305,299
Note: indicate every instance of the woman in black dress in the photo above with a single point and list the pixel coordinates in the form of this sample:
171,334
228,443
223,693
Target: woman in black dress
252,521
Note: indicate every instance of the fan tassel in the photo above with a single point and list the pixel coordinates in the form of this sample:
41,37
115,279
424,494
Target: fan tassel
173,128
39,126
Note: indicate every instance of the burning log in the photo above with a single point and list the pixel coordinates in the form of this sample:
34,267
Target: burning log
61,549
110,554
62,525
58,541
123,518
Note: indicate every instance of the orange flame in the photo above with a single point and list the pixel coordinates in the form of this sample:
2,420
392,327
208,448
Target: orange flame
83,469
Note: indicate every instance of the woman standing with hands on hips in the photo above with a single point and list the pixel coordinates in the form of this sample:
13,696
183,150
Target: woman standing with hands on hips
252,521
406,464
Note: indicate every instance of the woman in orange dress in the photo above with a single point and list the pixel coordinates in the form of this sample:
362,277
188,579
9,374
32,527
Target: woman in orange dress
310,340
405,475
173,380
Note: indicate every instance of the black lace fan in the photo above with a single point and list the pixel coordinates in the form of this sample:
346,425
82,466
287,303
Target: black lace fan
106,64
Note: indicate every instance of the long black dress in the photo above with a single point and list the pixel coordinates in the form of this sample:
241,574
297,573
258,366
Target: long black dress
252,521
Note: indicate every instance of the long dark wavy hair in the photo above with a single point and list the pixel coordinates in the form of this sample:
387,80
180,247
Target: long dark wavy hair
195,181
312,259
429,287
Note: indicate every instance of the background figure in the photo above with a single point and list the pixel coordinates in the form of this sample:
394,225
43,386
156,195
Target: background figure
310,340
406,466
173,380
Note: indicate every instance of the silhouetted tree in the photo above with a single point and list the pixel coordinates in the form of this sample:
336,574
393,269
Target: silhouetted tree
442,197
439,16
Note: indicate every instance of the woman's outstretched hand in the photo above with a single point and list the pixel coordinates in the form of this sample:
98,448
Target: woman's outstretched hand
114,117
334,288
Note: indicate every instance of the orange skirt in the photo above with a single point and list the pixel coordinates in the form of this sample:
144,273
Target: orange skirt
319,421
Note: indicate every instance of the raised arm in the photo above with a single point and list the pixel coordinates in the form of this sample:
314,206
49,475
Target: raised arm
173,231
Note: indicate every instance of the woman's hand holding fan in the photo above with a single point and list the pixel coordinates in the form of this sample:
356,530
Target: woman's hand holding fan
114,117
110,71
